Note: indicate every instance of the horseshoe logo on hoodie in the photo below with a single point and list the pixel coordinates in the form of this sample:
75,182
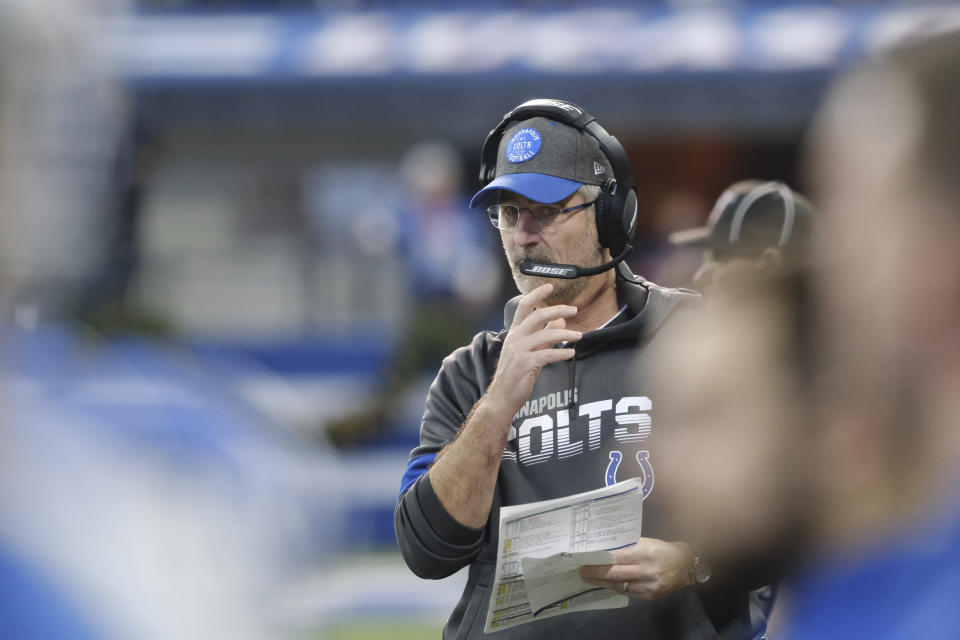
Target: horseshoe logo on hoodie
615,457
643,459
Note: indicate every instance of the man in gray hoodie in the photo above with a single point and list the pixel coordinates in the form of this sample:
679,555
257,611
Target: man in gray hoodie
548,406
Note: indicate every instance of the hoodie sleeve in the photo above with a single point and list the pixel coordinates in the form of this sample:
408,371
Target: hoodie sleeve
433,544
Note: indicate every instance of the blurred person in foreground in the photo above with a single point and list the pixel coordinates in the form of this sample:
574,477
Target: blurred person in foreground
885,162
820,415
546,408
754,226
736,425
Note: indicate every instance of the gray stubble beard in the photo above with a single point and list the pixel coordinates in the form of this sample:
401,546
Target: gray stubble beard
564,291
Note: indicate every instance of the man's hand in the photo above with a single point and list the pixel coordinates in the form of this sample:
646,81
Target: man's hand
648,570
527,348
465,473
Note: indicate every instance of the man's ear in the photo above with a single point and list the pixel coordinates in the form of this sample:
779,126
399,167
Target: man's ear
770,259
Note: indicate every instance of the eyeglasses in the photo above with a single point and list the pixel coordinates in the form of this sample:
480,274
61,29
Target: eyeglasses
505,216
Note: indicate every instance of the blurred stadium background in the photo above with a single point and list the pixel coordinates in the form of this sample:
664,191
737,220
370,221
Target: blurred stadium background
235,248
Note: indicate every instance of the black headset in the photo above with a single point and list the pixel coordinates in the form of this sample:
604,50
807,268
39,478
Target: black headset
617,204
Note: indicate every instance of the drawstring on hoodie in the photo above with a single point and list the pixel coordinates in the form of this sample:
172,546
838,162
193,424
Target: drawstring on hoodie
573,401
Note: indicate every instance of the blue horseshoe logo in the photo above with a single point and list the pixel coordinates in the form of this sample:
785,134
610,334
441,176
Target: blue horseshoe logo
615,457
643,459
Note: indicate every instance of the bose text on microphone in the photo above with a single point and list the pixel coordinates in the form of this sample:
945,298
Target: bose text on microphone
568,271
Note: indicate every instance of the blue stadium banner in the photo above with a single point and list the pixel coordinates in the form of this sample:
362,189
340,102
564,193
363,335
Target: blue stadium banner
323,46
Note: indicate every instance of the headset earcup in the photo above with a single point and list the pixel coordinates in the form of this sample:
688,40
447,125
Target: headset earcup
616,217
488,155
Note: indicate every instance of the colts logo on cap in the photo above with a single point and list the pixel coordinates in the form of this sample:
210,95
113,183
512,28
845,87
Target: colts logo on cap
524,144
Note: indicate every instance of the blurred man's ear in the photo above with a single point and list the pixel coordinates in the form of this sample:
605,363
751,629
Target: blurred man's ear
770,259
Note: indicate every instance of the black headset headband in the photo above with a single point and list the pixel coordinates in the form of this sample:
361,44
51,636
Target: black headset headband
566,113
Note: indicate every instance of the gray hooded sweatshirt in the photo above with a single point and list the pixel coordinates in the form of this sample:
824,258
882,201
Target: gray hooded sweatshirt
588,423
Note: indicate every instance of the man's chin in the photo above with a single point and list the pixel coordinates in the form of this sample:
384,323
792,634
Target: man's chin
526,284
564,291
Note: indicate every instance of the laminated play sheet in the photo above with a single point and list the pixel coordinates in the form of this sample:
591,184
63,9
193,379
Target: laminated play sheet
543,543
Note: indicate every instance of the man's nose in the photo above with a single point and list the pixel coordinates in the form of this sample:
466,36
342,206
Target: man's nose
527,231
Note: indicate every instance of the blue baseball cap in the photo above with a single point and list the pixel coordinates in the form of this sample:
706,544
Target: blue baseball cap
545,161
